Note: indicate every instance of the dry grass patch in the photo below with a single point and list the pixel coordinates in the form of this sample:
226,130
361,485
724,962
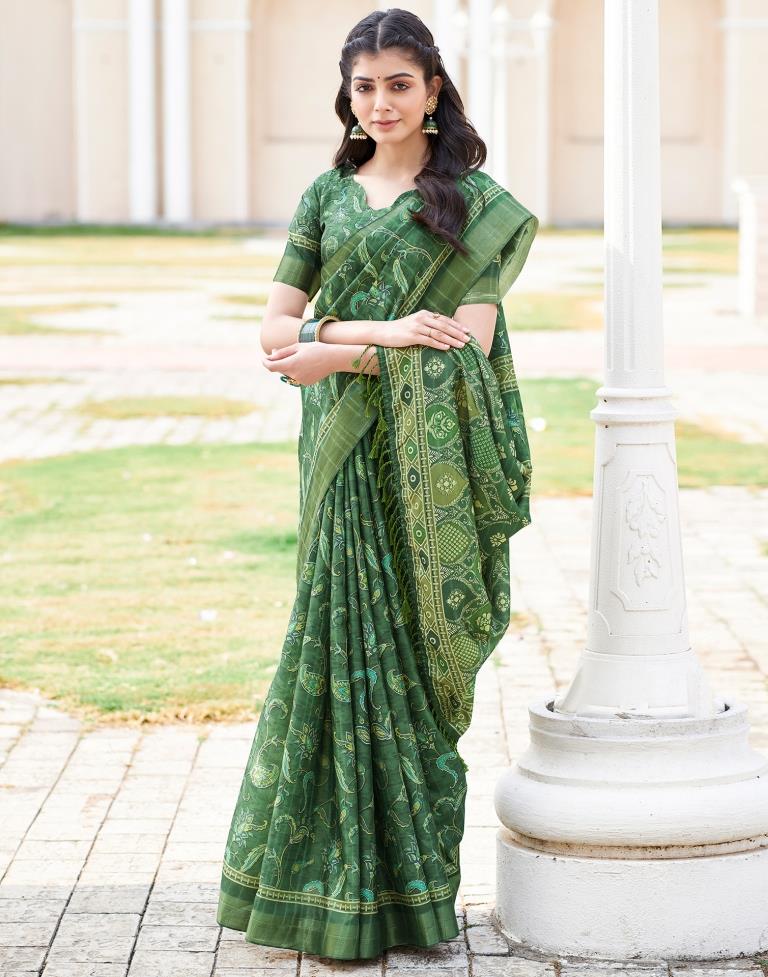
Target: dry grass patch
123,408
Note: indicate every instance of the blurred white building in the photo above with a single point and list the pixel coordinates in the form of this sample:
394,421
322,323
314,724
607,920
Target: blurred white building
222,110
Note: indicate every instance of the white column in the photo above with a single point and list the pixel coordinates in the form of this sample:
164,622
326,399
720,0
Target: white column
753,245
735,28
142,115
498,168
241,160
177,181
479,75
444,31
541,28
221,144
100,113
81,84
639,794
522,41
731,43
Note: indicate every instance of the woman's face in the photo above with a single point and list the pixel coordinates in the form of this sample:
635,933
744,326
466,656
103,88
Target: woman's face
377,96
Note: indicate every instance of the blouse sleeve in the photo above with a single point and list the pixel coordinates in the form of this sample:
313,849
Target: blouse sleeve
300,263
486,288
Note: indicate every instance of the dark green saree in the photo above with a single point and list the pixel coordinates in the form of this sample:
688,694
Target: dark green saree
345,835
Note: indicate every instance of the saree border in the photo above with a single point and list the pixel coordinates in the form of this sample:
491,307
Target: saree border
339,432
433,893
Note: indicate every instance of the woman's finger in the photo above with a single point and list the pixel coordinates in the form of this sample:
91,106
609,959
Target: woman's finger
447,325
443,337
277,363
454,337
278,354
456,328
461,331
437,342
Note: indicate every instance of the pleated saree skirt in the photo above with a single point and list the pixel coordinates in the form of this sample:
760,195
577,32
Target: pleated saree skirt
345,834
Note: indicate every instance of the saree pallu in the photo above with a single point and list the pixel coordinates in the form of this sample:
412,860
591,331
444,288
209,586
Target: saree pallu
345,835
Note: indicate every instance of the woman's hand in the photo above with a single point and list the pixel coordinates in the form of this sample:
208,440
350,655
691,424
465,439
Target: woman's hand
426,329
305,362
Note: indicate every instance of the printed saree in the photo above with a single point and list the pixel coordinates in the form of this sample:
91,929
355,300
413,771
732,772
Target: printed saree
345,835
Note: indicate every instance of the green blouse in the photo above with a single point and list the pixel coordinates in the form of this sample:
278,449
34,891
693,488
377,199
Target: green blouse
333,207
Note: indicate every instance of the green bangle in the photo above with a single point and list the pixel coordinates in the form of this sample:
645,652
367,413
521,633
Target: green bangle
308,331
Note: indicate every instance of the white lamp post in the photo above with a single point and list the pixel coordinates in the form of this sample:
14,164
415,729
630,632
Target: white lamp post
639,796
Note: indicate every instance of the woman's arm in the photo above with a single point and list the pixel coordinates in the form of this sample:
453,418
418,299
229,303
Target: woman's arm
309,362
343,355
284,314
286,308
480,319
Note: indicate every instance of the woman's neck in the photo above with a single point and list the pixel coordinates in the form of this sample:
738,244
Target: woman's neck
402,161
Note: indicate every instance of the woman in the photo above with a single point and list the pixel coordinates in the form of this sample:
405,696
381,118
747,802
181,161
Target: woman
414,473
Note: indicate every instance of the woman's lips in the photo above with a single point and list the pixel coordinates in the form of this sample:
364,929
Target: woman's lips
387,125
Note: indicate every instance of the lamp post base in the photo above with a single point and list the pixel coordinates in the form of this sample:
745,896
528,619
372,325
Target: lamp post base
626,837
701,907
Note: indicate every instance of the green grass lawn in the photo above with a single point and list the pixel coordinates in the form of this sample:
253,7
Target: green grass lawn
148,580
708,250
149,584
554,310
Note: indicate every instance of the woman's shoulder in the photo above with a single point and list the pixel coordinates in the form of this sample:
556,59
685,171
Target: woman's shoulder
478,183
327,178
481,185
476,179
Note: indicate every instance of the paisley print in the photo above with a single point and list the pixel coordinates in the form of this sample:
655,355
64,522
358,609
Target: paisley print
345,834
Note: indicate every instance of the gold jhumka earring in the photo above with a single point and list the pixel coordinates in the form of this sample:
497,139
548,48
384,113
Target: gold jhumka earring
430,126
357,131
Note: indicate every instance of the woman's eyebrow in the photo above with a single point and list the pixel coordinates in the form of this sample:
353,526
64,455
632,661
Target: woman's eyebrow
407,74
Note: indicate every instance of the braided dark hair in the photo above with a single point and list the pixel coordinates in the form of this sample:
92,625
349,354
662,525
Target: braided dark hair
455,151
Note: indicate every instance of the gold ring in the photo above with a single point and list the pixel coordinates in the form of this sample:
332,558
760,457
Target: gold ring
430,332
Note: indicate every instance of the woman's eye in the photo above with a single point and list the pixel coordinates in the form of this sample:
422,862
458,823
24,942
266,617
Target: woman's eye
362,88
